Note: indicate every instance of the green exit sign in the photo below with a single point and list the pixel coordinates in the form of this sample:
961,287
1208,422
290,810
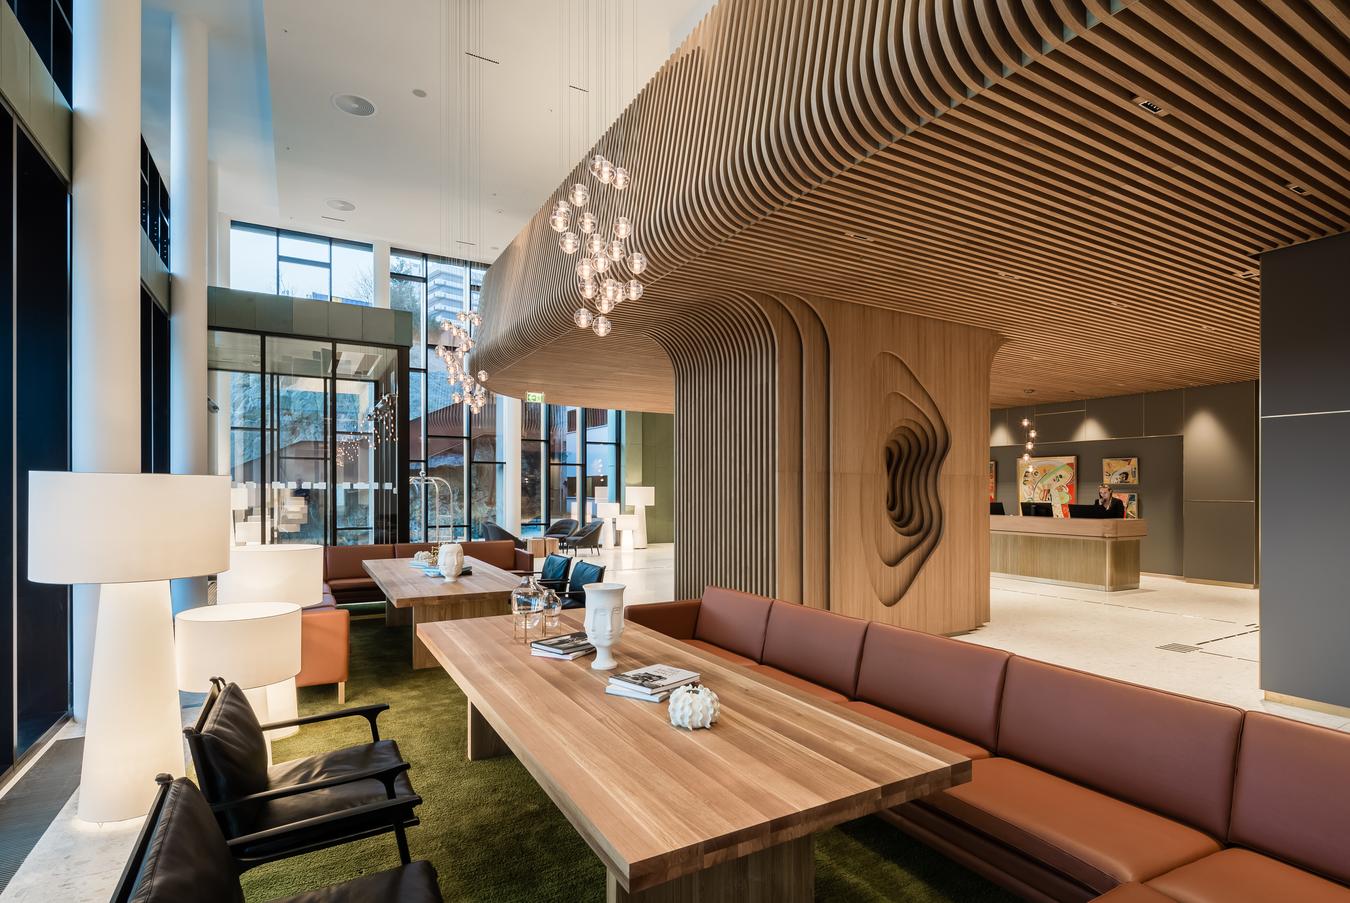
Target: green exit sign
534,397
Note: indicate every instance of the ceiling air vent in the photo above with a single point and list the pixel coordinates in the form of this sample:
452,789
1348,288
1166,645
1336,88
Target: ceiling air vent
1149,106
1249,275
1296,188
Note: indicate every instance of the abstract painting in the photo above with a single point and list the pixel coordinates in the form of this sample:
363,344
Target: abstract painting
1120,471
993,481
1131,502
1049,479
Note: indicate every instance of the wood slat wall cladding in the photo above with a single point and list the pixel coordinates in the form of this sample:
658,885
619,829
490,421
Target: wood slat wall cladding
983,162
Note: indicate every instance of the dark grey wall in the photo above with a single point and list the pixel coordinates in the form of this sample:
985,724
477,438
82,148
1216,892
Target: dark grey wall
1305,434
1197,469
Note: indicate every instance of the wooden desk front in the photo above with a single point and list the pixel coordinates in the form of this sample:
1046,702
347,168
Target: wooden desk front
1083,552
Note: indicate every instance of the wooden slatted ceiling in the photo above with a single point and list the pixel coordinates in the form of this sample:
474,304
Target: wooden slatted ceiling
992,157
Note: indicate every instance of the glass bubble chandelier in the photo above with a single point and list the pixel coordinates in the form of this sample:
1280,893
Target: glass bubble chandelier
466,386
605,251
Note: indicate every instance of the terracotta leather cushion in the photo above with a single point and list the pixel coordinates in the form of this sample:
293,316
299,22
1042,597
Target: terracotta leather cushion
1093,838
324,649
721,653
347,584
187,858
733,620
1134,893
290,809
345,561
499,553
1291,798
951,685
235,757
921,730
415,882
1242,876
801,683
674,619
815,645
409,549
1172,754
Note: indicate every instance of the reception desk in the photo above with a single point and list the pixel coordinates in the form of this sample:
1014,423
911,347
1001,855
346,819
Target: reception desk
1083,552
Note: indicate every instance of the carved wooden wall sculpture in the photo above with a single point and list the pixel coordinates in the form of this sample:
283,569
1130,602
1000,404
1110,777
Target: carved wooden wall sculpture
819,180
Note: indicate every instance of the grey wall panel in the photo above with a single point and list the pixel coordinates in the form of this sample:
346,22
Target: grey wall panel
1218,541
1163,412
1220,433
1305,323
1305,559
1003,430
1065,426
1107,418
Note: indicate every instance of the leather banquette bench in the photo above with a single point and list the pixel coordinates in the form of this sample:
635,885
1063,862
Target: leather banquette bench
346,581
1082,786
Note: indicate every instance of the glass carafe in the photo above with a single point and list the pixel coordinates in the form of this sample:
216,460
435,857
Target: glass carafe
527,608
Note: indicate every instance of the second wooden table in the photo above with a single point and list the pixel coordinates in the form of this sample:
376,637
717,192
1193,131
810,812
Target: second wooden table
487,591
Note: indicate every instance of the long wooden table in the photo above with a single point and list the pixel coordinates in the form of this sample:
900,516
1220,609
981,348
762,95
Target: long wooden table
721,814
485,592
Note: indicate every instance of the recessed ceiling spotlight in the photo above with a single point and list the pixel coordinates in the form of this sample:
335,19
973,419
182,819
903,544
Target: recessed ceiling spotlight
1296,188
340,204
354,104
1005,275
418,92
1149,106
1028,391
856,237
1250,275
1117,305
1205,327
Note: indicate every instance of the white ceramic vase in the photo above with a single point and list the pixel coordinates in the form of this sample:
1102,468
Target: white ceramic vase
450,559
604,621
694,706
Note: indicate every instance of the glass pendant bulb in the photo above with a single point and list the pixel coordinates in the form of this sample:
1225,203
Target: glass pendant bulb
569,242
1032,434
605,305
559,222
606,173
582,318
601,326
561,206
634,290
598,162
586,222
595,244
614,251
585,269
623,227
611,290
456,397
621,178
482,376
579,195
588,289
600,263
1026,458
637,262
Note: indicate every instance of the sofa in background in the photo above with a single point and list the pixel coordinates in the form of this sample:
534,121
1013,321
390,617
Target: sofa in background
347,582
1082,786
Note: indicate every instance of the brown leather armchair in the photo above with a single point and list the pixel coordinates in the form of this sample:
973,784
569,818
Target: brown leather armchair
324,647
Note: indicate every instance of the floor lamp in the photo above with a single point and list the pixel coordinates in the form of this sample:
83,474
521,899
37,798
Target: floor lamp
279,572
131,533
641,498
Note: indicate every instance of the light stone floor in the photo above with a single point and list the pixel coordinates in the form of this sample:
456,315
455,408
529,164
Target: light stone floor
1115,634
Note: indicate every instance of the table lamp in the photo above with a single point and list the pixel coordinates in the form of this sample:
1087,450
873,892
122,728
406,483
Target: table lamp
641,498
131,533
252,644
280,572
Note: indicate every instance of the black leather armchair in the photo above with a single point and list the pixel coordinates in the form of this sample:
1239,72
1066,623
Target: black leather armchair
299,806
181,854
561,529
587,537
553,575
493,531
583,572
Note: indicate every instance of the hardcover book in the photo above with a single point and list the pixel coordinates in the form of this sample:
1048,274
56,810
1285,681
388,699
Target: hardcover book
654,678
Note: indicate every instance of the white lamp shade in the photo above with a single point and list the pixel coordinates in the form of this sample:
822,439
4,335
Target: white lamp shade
280,572
640,496
252,644
126,527
607,509
626,522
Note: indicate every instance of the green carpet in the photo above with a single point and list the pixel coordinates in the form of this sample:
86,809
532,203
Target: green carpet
493,835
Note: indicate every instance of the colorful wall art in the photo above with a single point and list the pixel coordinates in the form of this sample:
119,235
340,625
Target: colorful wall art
1131,502
993,481
1049,479
1120,471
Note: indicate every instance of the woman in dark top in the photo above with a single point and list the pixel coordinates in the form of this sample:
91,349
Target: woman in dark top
1114,506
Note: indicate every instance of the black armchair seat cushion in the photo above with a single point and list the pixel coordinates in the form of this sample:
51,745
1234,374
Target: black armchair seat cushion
411,883
290,809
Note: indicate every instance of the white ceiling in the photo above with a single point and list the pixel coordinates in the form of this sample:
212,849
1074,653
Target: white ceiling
457,172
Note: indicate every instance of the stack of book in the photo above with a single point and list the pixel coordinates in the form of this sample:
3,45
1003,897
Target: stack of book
650,684
565,647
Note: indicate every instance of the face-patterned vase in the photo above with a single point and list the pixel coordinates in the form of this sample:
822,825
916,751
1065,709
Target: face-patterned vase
604,621
450,559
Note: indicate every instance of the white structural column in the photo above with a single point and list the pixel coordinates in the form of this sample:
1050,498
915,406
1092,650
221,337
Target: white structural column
188,227
105,270
508,445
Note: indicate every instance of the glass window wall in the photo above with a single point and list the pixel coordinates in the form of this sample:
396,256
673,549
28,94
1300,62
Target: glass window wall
263,259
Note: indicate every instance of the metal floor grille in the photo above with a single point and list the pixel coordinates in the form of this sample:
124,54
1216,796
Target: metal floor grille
1179,647
30,805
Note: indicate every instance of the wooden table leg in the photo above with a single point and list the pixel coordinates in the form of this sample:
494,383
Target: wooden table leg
483,740
785,873
428,612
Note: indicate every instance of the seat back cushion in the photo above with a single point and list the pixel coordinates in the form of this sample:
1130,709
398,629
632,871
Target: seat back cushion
947,684
1292,794
344,562
410,549
500,553
733,620
187,858
1169,753
234,753
814,644
555,568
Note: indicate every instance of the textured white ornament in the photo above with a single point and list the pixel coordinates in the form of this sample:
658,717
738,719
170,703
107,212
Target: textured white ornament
694,706
450,559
